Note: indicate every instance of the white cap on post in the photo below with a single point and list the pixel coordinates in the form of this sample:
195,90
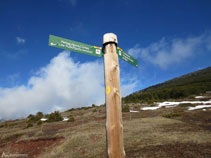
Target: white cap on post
109,38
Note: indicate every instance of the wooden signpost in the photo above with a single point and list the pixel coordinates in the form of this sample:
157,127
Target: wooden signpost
110,51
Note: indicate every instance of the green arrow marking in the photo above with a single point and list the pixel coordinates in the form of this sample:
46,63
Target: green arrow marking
63,43
127,57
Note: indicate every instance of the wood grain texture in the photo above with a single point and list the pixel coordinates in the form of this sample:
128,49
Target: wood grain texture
114,127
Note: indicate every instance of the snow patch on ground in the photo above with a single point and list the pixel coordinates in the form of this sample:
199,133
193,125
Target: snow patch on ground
133,111
199,107
150,108
43,119
198,97
65,119
173,104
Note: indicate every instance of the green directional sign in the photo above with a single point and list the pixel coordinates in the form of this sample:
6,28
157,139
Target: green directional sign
74,46
127,57
67,44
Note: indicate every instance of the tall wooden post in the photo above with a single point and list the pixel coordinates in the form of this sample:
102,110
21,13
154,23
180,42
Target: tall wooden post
114,127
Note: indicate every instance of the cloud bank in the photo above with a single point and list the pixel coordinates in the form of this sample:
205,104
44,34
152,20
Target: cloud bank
164,53
60,85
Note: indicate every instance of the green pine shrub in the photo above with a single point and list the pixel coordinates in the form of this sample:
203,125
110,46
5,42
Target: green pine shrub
71,118
126,108
55,116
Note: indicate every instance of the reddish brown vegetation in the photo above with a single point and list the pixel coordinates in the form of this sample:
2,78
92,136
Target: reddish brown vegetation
31,148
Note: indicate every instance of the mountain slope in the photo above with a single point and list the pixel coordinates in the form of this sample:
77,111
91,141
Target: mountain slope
190,84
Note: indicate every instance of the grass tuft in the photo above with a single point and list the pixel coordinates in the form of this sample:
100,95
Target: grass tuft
171,115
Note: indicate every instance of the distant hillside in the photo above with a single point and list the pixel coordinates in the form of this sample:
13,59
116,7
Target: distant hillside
190,84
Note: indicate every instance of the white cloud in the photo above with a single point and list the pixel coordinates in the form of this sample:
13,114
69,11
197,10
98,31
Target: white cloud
164,53
128,84
62,84
128,88
20,40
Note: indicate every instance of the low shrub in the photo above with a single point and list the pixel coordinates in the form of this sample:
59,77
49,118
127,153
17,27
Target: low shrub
171,115
29,124
94,110
39,122
6,125
35,118
55,116
31,118
126,108
150,102
12,124
71,110
15,136
186,104
204,99
39,115
71,118
84,108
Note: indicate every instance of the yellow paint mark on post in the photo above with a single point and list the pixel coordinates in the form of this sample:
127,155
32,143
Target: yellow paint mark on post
107,90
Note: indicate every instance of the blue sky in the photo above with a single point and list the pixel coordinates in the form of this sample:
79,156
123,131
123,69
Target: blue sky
169,39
